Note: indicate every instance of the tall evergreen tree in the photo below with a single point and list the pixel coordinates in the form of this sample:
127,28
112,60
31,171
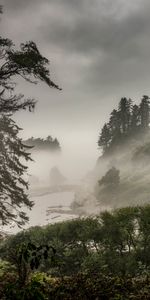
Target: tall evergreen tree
135,118
27,62
12,182
115,126
125,114
104,139
145,112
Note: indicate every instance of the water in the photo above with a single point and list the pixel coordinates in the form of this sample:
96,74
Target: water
48,208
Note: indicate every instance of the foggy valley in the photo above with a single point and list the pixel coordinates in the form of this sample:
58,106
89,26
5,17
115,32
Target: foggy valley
74,150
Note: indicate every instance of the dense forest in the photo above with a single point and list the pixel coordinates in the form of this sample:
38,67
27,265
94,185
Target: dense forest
126,155
105,256
128,121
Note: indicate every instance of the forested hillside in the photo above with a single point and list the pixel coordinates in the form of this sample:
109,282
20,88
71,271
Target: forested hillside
129,121
122,173
124,166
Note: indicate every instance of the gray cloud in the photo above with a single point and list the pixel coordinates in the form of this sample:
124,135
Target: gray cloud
99,51
89,30
110,36
95,39
104,26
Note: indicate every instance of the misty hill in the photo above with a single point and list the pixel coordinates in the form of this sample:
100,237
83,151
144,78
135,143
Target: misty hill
56,177
39,144
122,173
128,123
123,169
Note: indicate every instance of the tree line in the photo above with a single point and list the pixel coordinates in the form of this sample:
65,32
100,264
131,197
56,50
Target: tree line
112,243
107,256
124,122
49,143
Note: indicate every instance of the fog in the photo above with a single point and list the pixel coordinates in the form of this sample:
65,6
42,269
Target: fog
98,53
82,165
132,162
76,159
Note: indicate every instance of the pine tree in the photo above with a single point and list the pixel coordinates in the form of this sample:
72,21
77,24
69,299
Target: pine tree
12,182
26,62
115,126
125,122
125,114
104,139
135,118
145,112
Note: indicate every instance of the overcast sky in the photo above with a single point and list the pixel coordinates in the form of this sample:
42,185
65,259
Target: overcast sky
99,50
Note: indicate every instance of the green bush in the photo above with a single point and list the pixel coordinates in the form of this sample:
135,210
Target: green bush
82,286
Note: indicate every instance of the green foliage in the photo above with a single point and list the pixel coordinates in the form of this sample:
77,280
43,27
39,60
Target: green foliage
107,257
81,286
36,288
27,257
116,242
5,267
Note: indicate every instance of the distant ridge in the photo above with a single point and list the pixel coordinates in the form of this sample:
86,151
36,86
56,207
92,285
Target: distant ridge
40,144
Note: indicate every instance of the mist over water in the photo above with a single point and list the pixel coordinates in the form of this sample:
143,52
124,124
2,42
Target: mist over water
75,160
